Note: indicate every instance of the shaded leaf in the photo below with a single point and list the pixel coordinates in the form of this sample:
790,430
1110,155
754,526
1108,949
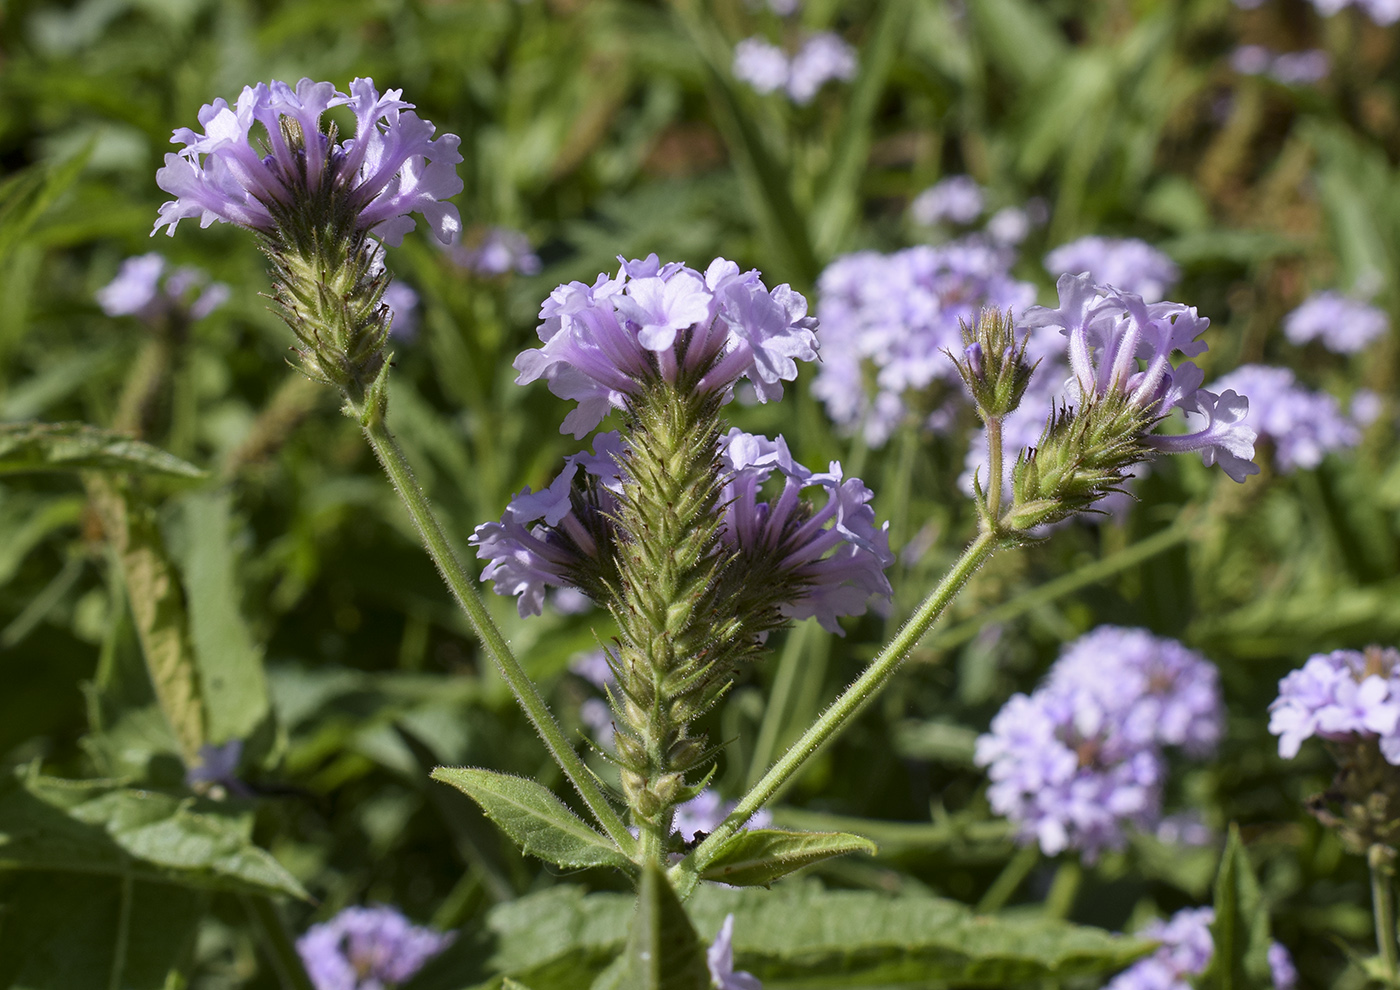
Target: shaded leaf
77,446
1241,927
534,817
663,952
760,856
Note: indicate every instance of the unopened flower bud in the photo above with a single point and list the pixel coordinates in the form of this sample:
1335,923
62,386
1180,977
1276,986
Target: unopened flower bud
993,365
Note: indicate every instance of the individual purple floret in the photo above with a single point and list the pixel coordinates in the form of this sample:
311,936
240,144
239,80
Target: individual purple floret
1162,693
1109,331
525,559
390,168
1063,771
761,64
824,57
1303,425
834,554
403,310
1344,325
702,814
1186,950
604,343
720,959
367,949
499,252
1338,696
1121,262
888,320
145,289
956,199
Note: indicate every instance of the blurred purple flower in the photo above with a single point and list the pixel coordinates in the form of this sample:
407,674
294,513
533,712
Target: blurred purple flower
1186,950
1343,325
367,949
403,310
1304,426
1301,68
218,765
499,252
392,167
143,288
1009,226
956,199
761,64
720,960
1339,696
823,58
1124,263
703,813
1251,60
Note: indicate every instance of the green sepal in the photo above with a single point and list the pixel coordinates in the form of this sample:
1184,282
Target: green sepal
538,822
759,856
663,950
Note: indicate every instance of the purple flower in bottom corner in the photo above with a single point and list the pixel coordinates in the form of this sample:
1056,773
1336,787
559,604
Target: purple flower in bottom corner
720,959
1186,951
367,949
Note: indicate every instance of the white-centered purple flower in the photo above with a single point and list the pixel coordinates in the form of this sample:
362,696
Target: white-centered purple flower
888,322
824,57
1340,696
835,554
702,814
1109,331
1303,425
499,251
1079,761
367,949
720,960
146,288
1124,263
390,168
1186,950
1342,324
956,199
403,310
761,64
604,343
525,559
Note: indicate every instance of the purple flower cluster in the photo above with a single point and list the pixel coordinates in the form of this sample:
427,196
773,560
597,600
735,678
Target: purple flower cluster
823,57
1340,696
1082,757
367,949
720,960
1344,325
1304,426
956,199
835,554
500,251
1290,68
147,289
1121,262
1186,951
887,321
702,814
603,343
1109,330
524,558
390,168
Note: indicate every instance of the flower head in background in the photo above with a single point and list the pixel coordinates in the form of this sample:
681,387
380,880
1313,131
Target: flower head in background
1340,696
1301,68
147,288
1124,263
1303,425
367,949
403,310
500,251
720,960
956,199
702,814
296,175
824,57
1186,951
761,64
1342,324
606,343
1080,760
218,766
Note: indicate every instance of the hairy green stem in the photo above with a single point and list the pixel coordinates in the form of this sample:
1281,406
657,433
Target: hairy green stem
1382,862
463,588
843,710
994,472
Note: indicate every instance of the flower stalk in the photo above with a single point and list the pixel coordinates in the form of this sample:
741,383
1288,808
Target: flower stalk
1381,860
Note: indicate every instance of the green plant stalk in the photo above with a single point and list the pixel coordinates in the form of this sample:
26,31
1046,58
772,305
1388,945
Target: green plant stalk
1381,861
463,588
992,512
844,709
282,954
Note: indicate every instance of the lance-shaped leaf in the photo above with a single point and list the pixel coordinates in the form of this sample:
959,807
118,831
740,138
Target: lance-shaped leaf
535,818
759,856
1241,927
99,827
663,952
78,446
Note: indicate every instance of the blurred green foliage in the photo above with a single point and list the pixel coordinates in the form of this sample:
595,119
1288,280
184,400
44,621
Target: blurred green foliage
320,633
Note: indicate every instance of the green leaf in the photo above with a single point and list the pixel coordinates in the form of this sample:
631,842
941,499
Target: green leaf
759,856
1021,37
538,821
77,446
1241,927
27,196
663,951
99,827
231,676
72,932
